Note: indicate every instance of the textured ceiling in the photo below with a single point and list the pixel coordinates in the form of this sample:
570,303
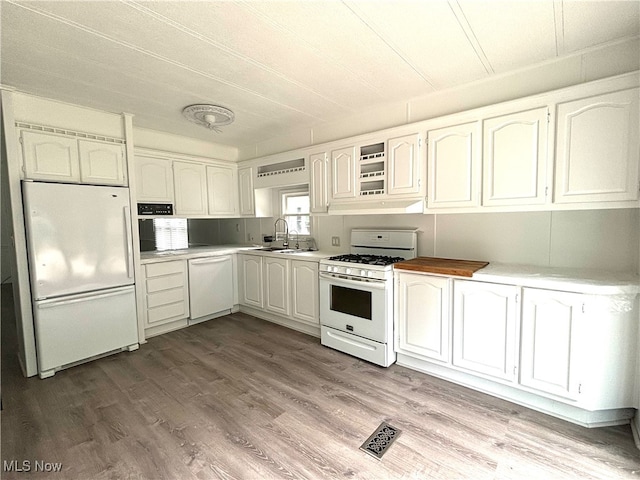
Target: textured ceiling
283,64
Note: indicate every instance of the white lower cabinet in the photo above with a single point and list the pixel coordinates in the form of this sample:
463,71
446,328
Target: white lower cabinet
281,289
166,295
250,280
550,353
485,328
276,285
422,315
305,305
569,354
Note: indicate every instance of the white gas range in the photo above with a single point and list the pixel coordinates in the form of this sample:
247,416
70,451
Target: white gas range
356,294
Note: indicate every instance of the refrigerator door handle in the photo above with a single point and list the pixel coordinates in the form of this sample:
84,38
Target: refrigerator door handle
83,297
127,229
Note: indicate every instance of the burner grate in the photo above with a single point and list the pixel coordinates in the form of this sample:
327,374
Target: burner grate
380,440
381,260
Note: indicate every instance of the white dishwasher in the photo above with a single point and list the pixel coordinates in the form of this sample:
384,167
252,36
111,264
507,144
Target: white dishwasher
210,286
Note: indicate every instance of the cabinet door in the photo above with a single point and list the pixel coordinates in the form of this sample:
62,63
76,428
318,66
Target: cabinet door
343,171
154,180
404,165
50,157
597,149
318,183
549,349
102,163
190,187
454,166
514,158
422,317
247,195
485,328
250,277
222,190
276,285
305,305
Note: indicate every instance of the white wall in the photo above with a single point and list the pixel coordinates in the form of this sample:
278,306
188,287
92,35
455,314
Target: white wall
168,142
595,239
605,61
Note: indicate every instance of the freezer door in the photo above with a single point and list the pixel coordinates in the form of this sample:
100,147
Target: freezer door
79,238
78,327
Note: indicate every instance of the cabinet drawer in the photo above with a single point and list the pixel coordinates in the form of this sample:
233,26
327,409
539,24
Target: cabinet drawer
164,268
165,297
165,283
171,311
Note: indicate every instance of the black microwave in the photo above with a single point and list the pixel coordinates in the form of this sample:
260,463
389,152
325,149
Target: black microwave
155,209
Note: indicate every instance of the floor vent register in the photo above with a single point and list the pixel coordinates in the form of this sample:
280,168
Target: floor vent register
380,440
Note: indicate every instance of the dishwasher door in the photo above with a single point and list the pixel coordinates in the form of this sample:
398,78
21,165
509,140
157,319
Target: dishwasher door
210,285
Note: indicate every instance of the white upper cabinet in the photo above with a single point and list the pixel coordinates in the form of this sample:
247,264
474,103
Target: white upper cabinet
60,158
597,149
551,323
318,182
514,158
404,165
246,193
222,190
102,163
154,179
485,321
453,166
190,188
50,157
343,171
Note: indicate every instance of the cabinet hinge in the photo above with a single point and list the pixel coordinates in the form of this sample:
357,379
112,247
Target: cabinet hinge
546,191
20,138
579,388
583,307
517,297
548,116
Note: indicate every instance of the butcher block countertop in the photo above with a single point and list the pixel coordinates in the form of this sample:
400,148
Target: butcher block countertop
442,266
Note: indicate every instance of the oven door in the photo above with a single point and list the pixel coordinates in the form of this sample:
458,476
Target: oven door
361,307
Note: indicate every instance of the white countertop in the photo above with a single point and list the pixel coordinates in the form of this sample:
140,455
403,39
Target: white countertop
213,250
595,282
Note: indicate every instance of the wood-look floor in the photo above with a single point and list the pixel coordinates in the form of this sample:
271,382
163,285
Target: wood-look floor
241,398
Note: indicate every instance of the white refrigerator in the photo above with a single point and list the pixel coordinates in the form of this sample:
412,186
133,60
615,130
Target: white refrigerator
81,269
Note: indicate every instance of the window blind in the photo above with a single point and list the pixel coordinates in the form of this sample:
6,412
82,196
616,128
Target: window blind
170,233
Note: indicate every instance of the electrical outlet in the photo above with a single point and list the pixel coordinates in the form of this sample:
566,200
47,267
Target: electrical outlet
335,241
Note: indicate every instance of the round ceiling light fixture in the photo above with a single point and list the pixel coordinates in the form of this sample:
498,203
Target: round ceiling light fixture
209,116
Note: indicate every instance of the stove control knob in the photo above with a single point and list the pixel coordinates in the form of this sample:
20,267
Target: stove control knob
369,273
347,271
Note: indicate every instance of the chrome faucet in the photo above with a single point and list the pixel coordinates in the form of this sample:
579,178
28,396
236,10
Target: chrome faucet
285,243
297,244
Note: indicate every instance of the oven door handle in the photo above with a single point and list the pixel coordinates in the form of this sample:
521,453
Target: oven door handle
373,283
